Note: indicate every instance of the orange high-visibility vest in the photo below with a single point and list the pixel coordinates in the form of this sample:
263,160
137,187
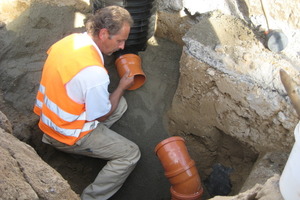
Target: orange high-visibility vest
60,117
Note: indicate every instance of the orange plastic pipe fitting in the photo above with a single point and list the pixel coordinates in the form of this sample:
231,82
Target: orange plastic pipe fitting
180,169
133,63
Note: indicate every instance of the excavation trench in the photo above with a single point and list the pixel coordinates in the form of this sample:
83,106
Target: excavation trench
225,159
23,45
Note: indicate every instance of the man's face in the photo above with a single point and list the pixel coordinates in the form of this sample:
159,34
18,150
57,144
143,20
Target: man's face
112,43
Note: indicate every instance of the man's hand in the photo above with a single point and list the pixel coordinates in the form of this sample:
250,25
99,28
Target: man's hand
126,81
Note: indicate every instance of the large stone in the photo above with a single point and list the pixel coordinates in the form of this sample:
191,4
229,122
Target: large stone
226,84
229,84
24,175
5,123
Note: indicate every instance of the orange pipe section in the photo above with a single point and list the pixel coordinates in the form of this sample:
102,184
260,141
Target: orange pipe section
133,63
180,169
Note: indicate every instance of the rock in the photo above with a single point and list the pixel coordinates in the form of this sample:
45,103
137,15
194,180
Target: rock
5,123
248,93
24,175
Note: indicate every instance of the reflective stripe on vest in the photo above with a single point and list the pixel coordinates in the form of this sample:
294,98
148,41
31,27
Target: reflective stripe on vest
69,132
88,126
39,103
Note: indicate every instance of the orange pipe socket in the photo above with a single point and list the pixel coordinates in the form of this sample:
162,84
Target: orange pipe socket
133,63
180,169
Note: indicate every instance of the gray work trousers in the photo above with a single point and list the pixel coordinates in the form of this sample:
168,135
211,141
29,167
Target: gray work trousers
121,153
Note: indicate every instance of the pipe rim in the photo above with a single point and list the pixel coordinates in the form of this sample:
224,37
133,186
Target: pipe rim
193,196
166,141
137,72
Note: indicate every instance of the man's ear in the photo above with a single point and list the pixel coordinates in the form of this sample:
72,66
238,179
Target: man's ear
103,33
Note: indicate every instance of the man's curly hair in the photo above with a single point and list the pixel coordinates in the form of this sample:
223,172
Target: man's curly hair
111,17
